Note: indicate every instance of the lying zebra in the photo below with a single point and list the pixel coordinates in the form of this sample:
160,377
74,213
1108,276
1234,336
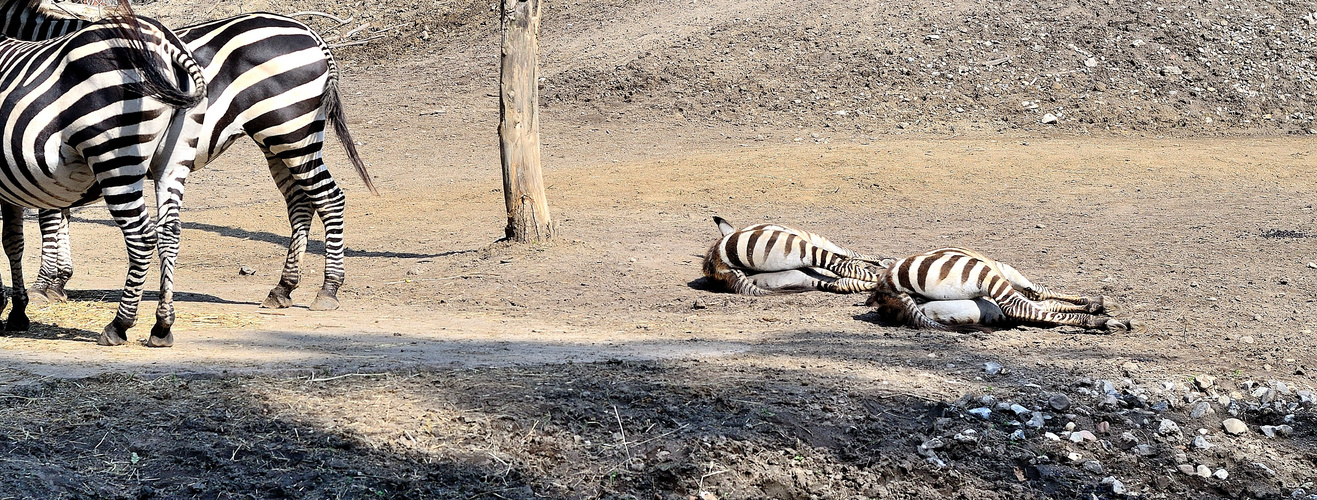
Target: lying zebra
948,288
767,258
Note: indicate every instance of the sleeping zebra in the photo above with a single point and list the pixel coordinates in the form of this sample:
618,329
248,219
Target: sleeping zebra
947,287
89,115
269,77
767,258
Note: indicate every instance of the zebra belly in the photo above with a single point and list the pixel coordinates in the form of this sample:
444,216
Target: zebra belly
779,262
963,312
70,179
953,290
791,280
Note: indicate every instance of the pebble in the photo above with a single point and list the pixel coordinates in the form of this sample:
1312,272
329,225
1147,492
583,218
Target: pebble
1204,381
1187,469
1051,436
1201,443
1117,487
1203,471
1020,411
1018,435
1234,426
1200,409
1036,421
1049,119
1172,70
1074,456
1272,431
1091,62
1306,397
699,304
1168,427
1104,427
1221,474
246,271
1248,339
1060,402
1069,426
1144,450
1280,387
1093,466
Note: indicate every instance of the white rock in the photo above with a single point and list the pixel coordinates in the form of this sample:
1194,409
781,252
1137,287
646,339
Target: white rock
1049,119
992,368
982,413
1051,436
1203,471
1221,474
1167,427
1172,71
1234,426
1091,62
1201,443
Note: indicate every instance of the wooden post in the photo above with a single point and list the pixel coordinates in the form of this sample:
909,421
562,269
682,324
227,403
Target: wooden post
519,124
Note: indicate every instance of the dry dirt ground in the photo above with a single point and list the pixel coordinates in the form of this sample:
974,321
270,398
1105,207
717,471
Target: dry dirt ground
601,365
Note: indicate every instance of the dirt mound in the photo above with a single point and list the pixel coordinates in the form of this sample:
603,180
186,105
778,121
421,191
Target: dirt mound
878,68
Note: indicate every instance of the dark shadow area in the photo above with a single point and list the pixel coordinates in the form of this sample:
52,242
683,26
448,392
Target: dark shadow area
151,295
313,246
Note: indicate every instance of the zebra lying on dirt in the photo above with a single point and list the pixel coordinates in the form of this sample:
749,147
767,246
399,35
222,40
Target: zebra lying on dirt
949,288
767,258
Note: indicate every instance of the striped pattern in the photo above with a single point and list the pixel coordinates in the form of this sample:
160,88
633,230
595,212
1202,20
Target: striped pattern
85,116
269,77
949,274
767,258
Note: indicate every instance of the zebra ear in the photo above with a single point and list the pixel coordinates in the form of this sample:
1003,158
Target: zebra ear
723,225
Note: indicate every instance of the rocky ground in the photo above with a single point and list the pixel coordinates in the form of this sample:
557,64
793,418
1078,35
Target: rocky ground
1161,155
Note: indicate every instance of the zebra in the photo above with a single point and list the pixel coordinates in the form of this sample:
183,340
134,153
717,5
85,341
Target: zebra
90,115
958,286
768,258
270,77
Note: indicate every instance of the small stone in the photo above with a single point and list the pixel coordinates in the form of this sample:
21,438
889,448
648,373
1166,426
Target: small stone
415,271
1306,397
1137,43
1234,426
1036,421
1069,426
1093,466
1284,430
1020,411
1247,339
1076,437
1051,436
1049,119
1187,469
1104,427
1059,402
1091,62
1280,387
1074,456
1203,471
1172,71
992,368
699,304
1117,487
1144,450
1200,409
246,271
1018,435
982,413
1204,381
1129,437
1086,436
1168,427
1221,474
1268,430
1201,443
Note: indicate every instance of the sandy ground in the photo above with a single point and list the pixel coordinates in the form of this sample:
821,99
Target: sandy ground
471,369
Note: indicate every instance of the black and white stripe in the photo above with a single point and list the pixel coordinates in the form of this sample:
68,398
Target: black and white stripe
92,114
957,274
769,258
269,77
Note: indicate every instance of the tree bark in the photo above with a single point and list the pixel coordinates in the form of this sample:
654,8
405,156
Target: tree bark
519,124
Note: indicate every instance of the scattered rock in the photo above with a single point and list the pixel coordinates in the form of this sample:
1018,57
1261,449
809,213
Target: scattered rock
1019,410
1144,450
699,304
1221,474
1234,426
1091,62
1049,119
1036,421
1060,402
1168,427
1093,466
1272,431
1201,443
1051,436
1200,409
1104,427
246,271
1187,469
1172,71
1203,471
982,413
1204,381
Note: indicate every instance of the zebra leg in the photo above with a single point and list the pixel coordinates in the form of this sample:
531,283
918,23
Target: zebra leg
56,257
309,185
300,214
13,242
129,213
169,231
736,281
1039,293
1019,308
846,285
850,268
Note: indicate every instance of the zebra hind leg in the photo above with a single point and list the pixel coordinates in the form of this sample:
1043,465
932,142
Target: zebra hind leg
56,257
1019,308
13,243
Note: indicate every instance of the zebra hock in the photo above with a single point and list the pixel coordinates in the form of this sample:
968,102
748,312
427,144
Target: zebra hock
764,259
89,116
960,289
269,77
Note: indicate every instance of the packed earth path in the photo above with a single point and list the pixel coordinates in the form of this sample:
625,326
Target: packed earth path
601,365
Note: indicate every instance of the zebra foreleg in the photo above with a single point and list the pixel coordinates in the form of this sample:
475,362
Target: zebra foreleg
1040,293
1019,308
56,257
13,242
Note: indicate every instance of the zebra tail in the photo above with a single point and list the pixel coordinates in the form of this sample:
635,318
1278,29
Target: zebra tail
156,81
333,107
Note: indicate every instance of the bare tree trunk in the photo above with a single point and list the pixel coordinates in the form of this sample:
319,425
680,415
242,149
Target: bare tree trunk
519,124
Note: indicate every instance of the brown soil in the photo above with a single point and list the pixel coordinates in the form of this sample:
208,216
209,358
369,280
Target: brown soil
601,366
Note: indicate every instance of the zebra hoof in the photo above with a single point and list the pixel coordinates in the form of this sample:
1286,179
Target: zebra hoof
160,337
17,323
1108,306
1117,326
113,335
278,299
324,302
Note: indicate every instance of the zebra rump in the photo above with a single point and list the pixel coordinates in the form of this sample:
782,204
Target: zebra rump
765,259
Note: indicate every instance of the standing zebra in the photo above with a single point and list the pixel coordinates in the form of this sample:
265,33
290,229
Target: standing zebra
958,281
767,258
89,115
270,77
